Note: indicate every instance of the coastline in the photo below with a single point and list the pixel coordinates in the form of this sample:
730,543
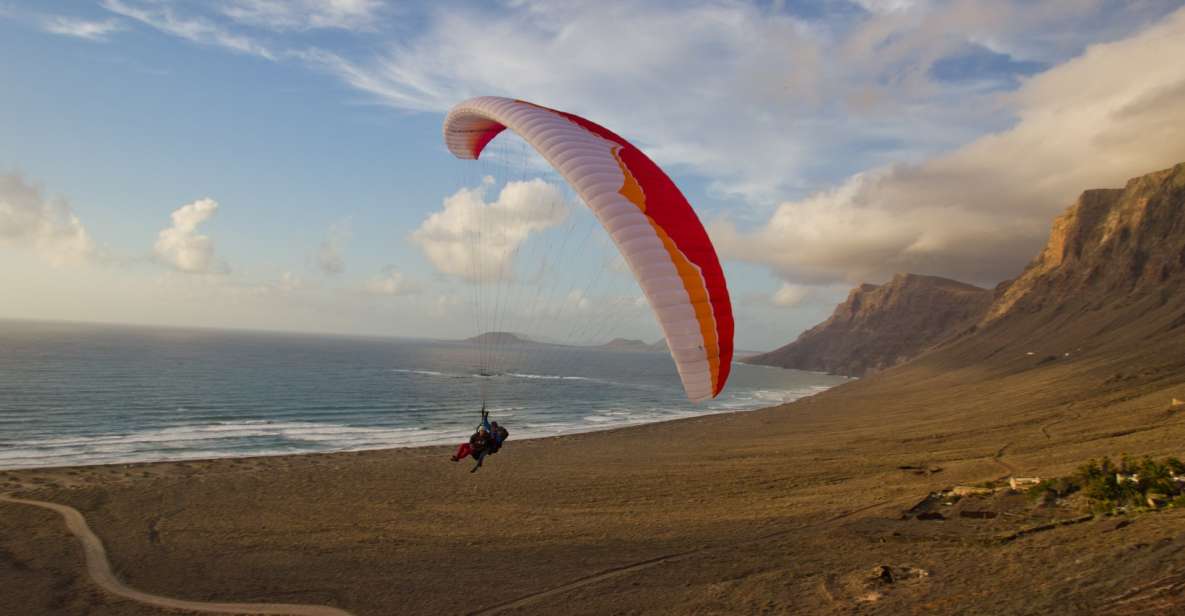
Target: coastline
441,446
169,396
768,510
394,437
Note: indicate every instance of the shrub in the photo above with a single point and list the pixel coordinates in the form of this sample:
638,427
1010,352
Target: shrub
1101,485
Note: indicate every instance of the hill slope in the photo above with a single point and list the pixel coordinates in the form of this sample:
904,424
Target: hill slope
881,326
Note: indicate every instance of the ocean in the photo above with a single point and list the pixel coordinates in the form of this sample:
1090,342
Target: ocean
75,394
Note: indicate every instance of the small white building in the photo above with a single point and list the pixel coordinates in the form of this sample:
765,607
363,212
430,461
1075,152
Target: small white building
1022,484
970,490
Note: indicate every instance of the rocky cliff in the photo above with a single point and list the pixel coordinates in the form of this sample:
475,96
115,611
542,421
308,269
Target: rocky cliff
879,326
1112,247
1110,277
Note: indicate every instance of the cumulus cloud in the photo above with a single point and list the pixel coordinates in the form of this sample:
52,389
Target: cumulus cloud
389,282
329,255
474,239
90,30
285,15
982,211
182,247
50,226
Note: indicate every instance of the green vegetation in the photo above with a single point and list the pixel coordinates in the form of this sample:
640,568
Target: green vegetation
1130,484
1049,490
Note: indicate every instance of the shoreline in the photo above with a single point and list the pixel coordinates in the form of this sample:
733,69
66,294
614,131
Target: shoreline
449,441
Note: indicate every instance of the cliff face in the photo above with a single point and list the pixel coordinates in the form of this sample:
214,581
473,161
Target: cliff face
1111,277
1113,246
880,326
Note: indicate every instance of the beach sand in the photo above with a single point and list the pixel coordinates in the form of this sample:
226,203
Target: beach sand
784,510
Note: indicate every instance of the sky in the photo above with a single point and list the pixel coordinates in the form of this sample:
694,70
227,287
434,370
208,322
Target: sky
270,164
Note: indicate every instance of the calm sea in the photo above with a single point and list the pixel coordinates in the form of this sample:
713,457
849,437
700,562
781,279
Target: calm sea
91,394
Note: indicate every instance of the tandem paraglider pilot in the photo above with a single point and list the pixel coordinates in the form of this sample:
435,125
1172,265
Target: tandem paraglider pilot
487,440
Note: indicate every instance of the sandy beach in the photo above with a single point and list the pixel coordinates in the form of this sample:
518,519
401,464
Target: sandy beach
785,510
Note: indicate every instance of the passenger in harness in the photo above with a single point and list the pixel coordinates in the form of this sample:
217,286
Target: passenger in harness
488,439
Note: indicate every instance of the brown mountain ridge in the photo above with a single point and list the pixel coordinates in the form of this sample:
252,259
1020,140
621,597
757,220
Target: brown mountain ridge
879,326
1114,264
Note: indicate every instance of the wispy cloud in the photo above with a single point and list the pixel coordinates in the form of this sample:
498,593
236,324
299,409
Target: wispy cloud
289,15
81,28
195,29
762,103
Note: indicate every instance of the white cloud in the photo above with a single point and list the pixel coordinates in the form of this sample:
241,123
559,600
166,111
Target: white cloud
982,211
50,226
886,6
761,103
476,240
182,247
558,56
196,29
82,28
329,255
389,282
790,295
285,15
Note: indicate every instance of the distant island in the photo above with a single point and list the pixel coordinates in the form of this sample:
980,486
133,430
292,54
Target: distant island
616,344
501,338
633,344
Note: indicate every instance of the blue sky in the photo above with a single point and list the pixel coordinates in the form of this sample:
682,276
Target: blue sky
264,164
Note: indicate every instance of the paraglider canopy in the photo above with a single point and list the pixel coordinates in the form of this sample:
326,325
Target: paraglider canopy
650,221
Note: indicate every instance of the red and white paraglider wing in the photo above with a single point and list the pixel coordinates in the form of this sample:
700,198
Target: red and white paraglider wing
650,221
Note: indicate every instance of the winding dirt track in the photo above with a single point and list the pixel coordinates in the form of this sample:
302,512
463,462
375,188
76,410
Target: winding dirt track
998,460
100,571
